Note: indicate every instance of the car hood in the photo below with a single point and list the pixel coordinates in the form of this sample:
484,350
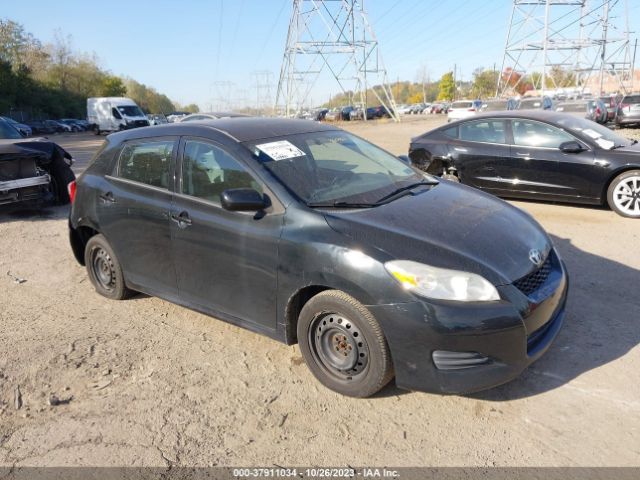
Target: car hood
632,152
37,148
449,226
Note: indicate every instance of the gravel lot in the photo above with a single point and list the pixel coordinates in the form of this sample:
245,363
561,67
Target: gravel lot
145,382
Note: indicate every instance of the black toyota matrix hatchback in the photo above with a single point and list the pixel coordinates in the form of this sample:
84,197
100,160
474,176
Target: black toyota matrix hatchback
309,234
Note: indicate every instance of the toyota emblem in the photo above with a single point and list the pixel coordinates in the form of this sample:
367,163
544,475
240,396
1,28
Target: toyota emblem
536,257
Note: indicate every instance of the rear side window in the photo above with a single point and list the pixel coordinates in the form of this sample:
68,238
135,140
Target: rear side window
451,132
147,162
207,171
486,131
631,99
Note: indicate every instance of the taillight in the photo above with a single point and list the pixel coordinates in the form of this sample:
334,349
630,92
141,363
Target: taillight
71,188
471,110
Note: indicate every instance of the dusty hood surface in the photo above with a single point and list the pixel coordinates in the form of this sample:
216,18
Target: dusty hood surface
450,226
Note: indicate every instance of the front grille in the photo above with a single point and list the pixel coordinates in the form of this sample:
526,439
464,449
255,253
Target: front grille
530,283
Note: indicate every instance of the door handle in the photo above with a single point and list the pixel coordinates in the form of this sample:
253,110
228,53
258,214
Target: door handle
182,219
107,198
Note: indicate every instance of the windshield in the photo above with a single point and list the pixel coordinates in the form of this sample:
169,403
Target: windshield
333,166
130,111
7,131
535,103
602,136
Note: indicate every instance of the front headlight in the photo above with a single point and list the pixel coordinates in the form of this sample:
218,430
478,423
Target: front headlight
441,283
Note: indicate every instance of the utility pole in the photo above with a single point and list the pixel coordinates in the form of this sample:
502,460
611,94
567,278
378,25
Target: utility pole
333,37
581,39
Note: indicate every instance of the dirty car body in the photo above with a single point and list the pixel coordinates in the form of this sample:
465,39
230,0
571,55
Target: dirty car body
32,169
330,221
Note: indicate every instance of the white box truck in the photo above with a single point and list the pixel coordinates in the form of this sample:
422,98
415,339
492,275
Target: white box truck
110,114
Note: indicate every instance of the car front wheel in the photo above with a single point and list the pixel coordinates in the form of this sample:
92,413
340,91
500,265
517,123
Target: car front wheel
623,195
343,345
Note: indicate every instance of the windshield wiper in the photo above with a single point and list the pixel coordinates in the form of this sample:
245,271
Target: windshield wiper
404,190
619,146
341,205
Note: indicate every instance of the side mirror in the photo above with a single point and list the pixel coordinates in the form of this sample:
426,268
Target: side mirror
571,147
242,200
405,159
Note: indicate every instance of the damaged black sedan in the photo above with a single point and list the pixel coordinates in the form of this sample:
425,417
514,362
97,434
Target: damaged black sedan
32,169
536,155
311,235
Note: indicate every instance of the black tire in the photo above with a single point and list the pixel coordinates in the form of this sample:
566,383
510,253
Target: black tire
623,194
361,363
97,130
62,176
104,269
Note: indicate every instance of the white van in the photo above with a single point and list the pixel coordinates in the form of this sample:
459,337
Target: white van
110,114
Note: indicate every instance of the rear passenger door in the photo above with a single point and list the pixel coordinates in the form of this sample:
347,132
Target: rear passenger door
133,211
226,262
479,151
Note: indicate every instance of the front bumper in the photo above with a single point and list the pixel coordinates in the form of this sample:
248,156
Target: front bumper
511,333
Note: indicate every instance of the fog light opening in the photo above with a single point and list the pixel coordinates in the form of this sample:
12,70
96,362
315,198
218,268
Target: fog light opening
448,360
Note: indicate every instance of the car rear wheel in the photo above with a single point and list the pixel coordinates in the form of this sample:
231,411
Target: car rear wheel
104,269
343,345
623,195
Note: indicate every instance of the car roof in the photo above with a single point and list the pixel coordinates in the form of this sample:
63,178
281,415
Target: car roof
241,129
535,114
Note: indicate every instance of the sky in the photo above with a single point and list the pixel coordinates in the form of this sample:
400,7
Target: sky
202,50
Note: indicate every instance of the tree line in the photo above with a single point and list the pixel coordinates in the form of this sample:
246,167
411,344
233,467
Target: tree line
53,81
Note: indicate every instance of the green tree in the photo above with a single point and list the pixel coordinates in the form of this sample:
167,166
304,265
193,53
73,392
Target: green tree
112,87
191,108
447,88
484,83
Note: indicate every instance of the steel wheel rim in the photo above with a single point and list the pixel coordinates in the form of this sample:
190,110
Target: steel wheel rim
103,269
626,195
339,346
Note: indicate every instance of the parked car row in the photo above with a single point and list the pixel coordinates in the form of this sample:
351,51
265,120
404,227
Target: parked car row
349,112
47,127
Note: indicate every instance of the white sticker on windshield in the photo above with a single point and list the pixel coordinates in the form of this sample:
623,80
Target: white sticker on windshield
606,144
282,150
591,133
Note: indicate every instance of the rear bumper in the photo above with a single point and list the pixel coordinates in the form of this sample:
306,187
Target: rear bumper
25,189
511,333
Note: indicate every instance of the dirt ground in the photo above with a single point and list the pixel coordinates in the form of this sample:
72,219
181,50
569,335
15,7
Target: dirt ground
144,382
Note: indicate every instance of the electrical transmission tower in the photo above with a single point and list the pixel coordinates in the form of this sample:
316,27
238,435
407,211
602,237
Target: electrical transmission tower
567,44
332,36
223,95
263,83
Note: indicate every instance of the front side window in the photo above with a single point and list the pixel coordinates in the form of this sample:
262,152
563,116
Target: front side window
147,162
333,166
528,133
207,171
485,131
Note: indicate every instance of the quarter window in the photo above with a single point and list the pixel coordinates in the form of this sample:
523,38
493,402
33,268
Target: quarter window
486,131
147,162
535,134
207,171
